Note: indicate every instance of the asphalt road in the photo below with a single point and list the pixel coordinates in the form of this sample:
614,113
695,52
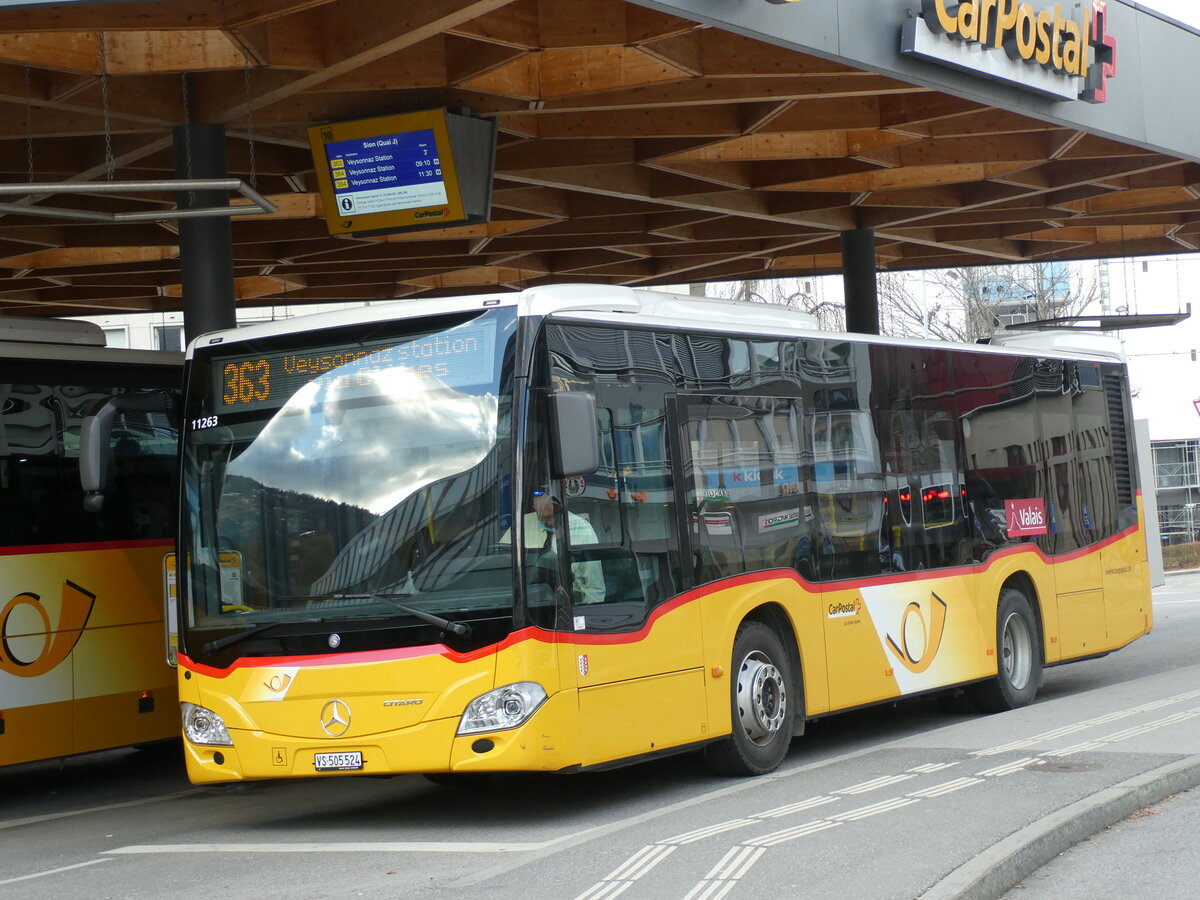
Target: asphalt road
883,803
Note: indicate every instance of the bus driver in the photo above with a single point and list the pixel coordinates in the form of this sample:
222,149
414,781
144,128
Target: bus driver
541,533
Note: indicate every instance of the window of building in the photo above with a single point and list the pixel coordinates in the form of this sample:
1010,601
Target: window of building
168,337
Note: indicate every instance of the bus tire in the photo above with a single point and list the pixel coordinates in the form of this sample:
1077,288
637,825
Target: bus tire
762,706
1019,656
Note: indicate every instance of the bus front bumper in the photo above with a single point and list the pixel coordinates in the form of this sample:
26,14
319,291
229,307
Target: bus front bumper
546,742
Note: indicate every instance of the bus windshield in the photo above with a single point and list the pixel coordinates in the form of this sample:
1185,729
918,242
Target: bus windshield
356,478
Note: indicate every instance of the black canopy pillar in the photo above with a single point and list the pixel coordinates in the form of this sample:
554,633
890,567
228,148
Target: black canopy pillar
205,242
858,275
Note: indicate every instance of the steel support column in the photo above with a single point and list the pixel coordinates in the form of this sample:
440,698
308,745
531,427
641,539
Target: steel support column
205,244
858,275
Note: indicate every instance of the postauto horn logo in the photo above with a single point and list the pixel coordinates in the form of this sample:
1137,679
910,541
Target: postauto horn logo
920,639
29,644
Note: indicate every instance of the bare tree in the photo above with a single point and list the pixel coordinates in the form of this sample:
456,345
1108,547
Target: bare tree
830,315
970,303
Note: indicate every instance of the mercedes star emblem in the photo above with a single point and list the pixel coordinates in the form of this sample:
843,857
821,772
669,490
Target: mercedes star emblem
335,718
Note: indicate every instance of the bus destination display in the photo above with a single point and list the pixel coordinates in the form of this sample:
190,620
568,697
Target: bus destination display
455,358
387,172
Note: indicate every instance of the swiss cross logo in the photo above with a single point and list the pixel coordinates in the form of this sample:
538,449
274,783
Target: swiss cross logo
1025,517
1105,47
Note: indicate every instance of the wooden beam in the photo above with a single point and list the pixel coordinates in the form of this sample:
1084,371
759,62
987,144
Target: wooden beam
581,23
725,54
151,15
513,25
467,59
359,32
423,65
704,91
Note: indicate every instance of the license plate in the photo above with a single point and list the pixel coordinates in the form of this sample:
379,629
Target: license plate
338,762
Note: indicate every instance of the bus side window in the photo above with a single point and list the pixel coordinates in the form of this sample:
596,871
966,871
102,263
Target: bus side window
630,504
1003,448
748,470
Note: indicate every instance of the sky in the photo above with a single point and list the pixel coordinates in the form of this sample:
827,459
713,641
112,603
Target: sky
1187,11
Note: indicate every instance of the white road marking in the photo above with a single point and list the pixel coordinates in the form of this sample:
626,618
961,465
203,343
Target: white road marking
725,874
874,784
1009,768
1073,749
334,847
790,834
1105,719
948,787
641,863
803,805
928,768
710,890
604,890
90,862
68,814
691,837
875,809
735,863
629,871
1136,731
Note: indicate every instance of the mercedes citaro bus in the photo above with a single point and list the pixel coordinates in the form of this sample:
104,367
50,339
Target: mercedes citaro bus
83,661
581,526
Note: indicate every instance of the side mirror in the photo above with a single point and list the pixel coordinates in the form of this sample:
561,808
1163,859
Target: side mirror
95,432
576,434
94,456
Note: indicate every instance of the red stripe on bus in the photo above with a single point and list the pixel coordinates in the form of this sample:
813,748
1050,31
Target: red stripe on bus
554,637
31,549
326,659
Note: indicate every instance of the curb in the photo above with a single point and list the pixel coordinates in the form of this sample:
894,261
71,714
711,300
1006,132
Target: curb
1003,865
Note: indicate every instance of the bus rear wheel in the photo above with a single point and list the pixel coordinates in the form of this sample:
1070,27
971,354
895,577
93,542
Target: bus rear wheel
761,705
1019,656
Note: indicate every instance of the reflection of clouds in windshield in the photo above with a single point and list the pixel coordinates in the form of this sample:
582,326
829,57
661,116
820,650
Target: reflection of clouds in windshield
370,438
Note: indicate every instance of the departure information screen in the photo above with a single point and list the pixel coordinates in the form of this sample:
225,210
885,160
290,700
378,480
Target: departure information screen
455,358
386,172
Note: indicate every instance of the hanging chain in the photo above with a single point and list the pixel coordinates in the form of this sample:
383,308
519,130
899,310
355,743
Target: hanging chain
109,162
187,135
250,125
29,123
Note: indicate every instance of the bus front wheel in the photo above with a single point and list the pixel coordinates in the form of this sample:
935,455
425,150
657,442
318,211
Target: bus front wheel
1019,656
761,704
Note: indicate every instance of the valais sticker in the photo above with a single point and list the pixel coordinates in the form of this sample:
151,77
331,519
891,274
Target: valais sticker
1025,517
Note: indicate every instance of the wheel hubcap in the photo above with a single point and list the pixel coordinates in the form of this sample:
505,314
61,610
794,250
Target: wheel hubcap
761,696
1016,652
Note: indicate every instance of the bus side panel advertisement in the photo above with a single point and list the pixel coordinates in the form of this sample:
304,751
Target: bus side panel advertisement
1025,517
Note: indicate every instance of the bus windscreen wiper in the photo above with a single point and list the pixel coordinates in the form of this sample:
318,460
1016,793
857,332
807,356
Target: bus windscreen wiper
230,639
458,628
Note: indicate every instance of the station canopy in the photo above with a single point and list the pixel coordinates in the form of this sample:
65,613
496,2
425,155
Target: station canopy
635,148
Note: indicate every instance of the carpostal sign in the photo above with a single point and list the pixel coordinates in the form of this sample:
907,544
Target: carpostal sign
1061,51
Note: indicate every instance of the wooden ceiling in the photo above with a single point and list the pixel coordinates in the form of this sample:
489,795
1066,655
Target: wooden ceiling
635,148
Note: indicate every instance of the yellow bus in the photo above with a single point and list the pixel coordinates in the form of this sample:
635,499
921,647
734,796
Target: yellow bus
82,651
582,526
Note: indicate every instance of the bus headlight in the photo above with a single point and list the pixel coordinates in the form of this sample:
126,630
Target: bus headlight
504,707
203,726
